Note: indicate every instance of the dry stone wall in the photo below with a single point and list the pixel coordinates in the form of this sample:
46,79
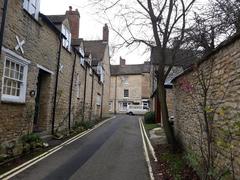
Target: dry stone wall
221,75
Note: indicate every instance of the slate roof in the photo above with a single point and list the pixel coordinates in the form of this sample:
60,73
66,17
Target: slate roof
77,42
184,58
96,48
57,19
133,69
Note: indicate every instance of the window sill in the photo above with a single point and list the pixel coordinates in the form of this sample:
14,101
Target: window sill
8,100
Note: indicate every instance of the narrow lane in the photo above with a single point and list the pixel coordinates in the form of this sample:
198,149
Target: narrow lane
114,151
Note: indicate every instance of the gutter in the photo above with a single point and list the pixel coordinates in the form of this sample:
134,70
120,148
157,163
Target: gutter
101,113
5,6
115,100
56,82
71,89
91,103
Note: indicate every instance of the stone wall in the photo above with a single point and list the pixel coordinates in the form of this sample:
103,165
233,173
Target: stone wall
41,50
17,119
221,72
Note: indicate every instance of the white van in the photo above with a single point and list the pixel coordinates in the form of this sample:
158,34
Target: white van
137,109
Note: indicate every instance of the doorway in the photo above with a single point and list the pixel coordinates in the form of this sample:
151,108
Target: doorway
42,101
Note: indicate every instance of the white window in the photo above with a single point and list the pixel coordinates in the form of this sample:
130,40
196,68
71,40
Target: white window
32,6
124,80
98,100
67,34
82,61
110,105
126,93
14,79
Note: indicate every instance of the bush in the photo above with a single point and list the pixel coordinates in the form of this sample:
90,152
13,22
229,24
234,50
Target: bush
149,118
31,141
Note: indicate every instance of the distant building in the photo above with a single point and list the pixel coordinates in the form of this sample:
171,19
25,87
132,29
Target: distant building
130,84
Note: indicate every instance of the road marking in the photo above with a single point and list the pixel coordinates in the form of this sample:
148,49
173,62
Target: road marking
149,143
33,161
146,153
31,164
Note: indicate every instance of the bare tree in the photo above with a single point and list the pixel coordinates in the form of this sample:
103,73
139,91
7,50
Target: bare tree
158,25
213,24
228,14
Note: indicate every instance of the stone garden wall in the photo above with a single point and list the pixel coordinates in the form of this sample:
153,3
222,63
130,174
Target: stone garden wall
219,73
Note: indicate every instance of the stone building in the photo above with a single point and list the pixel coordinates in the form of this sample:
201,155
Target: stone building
99,50
130,84
184,59
220,72
48,81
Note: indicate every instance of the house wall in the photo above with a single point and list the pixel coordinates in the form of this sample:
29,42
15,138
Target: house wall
223,95
137,86
41,50
106,65
41,47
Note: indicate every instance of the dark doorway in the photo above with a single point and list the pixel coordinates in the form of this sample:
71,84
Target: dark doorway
42,101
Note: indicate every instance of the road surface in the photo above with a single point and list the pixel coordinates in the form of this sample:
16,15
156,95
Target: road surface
114,151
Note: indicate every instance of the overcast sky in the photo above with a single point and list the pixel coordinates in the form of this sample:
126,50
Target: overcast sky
91,27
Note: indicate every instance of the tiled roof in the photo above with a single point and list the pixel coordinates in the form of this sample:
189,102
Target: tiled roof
130,69
96,48
184,58
57,19
77,42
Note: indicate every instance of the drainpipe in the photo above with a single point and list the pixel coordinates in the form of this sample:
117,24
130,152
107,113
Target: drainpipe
71,89
84,95
115,100
91,103
56,82
101,113
3,23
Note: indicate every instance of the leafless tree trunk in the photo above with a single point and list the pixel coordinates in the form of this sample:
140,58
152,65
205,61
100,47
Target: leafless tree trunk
156,24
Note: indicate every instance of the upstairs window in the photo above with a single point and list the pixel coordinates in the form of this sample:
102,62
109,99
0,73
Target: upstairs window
32,7
67,34
126,93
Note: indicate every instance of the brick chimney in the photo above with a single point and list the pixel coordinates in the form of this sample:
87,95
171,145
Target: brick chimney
74,20
122,61
105,33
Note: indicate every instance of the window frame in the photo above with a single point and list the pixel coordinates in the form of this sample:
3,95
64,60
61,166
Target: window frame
127,90
27,5
66,42
13,57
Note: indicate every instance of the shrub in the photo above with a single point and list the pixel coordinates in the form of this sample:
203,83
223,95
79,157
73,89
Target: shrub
149,118
31,141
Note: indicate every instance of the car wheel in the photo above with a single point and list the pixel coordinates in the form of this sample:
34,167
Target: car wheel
130,113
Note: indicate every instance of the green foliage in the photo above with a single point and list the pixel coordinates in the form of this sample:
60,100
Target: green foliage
193,160
175,163
149,118
31,141
87,124
149,127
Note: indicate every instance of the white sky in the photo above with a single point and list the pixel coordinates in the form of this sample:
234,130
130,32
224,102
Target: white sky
91,27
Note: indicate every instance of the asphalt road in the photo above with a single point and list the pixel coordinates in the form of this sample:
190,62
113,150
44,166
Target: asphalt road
113,151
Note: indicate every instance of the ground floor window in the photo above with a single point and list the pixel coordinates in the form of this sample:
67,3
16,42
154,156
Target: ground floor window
123,106
110,106
14,78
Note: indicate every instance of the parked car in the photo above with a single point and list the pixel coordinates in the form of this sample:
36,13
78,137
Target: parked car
137,109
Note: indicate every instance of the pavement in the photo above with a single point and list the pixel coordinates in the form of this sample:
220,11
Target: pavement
114,151
157,136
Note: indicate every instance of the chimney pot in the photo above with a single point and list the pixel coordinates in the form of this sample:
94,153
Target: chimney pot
74,21
105,33
122,61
